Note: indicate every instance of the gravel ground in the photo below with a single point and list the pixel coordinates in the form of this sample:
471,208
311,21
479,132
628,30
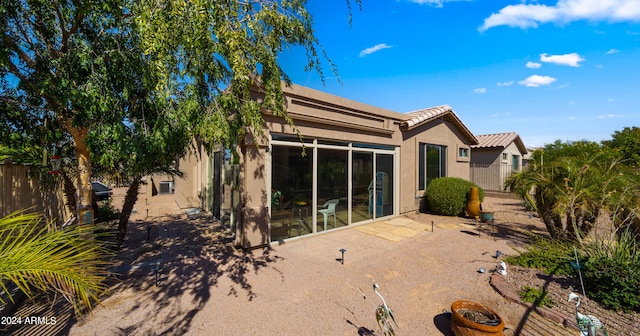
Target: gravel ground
559,287
301,287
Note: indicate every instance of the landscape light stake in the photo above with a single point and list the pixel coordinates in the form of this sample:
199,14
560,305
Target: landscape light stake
156,269
431,226
575,252
342,259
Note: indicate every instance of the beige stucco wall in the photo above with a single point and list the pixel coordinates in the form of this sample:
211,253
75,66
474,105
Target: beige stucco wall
493,156
190,190
318,115
439,132
486,156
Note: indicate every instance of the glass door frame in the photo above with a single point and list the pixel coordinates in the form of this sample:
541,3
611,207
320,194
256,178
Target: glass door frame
350,148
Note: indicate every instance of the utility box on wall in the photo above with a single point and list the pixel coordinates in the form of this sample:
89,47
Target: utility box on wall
166,187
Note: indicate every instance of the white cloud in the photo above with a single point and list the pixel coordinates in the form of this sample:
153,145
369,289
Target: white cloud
533,65
509,83
610,100
612,51
525,15
610,116
373,49
437,3
572,59
480,90
536,80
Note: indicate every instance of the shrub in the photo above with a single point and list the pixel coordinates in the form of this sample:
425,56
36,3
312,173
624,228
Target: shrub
612,272
613,284
106,213
448,195
551,256
537,296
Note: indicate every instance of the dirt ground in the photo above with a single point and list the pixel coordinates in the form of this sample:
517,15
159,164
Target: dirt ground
303,287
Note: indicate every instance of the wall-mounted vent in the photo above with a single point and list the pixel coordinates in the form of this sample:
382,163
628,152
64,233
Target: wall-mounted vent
166,187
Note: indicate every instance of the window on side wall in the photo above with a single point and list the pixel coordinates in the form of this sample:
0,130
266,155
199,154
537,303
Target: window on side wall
463,154
431,163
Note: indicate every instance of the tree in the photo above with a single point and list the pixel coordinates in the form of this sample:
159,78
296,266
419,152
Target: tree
85,64
140,148
221,50
38,256
627,142
574,183
69,60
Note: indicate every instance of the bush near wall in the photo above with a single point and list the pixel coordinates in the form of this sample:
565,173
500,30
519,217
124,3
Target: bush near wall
448,195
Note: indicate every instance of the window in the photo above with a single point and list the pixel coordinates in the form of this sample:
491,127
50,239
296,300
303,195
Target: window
431,163
504,157
463,152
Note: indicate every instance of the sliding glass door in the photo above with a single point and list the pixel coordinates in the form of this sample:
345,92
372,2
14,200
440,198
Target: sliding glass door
332,182
332,185
362,180
291,192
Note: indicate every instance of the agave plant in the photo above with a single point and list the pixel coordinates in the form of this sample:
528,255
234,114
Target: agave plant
36,256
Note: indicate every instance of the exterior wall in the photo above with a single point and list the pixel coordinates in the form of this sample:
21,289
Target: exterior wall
511,150
489,170
190,190
438,132
253,213
318,115
484,156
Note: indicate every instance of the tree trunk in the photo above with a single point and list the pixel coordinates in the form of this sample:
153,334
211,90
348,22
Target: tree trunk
84,211
549,218
130,200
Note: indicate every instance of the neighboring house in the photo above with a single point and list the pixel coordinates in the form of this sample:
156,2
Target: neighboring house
355,163
528,157
494,158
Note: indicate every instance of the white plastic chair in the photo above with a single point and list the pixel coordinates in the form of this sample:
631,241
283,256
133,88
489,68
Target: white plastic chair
329,209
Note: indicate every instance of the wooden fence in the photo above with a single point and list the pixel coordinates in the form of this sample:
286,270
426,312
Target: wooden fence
20,189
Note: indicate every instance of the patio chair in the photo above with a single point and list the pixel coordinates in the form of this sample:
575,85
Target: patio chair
329,209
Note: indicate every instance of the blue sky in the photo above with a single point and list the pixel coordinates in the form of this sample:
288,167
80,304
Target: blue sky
548,70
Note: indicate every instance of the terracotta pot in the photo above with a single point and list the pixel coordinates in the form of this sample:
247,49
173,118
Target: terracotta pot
473,204
461,326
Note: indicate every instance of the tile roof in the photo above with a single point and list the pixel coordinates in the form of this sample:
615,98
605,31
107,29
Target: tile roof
415,118
419,116
500,140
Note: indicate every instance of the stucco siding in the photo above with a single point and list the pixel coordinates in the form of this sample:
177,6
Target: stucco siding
437,132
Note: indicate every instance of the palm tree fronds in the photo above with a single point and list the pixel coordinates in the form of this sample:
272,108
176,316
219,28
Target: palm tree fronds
68,261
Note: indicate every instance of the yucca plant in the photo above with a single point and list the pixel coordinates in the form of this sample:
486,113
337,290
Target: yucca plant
36,256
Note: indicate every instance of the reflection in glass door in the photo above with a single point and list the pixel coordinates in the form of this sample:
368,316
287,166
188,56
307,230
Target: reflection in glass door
291,192
384,185
332,183
362,177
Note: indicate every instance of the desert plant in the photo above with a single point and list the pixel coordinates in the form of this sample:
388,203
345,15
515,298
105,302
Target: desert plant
448,195
551,256
573,185
612,272
37,256
613,284
537,296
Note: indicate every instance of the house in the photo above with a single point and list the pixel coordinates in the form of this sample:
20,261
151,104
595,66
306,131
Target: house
345,163
494,158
